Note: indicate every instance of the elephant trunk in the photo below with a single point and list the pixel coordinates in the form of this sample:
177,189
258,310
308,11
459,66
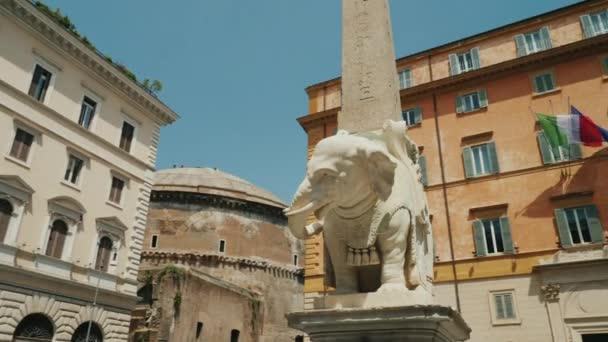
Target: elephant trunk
301,207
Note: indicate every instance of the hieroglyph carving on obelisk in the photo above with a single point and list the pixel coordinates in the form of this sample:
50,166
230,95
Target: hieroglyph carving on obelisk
370,87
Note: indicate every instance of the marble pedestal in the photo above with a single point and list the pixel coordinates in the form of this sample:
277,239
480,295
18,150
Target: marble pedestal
417,323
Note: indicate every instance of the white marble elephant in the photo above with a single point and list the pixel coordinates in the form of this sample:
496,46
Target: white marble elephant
365,192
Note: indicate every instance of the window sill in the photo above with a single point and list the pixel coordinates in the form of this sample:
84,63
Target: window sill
605,78
70,185
417,125
485,175
474,111
584,246
17,161
550,92
506,322
115,205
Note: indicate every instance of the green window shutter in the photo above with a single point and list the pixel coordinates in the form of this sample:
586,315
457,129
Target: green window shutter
418,114
545,35
454,66
562,228
505,229
587,25
476,59
460,104
575,151
595,225
480,241
535,82
467,157
520,43
606,65
545,148
422,164
483,98
493,157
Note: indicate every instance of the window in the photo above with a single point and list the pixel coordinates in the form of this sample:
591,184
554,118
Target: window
579,225
543,82
154,242
422,165
532,42
480,160
116,190
72,173
59,231
464,62
595,24
492,236
551,155
503,306
87,112
412,116
199,329
405,78
295,259
40,83
104,251
222,246
87,332
472,101
126,137
234,335
34,327
22,145
6,212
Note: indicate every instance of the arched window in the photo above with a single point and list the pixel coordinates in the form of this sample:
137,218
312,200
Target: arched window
234,335
104,252
59,231
80,335
6,211
35,327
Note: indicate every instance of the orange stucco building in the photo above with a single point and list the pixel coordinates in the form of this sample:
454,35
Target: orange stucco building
519,227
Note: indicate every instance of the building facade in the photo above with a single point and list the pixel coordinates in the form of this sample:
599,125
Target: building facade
520,228
79,141
221,244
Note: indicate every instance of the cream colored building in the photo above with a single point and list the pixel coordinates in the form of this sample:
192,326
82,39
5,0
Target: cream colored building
78,144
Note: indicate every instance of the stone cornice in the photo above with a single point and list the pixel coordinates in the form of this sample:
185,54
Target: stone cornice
473,78
26,14
211,259
274,213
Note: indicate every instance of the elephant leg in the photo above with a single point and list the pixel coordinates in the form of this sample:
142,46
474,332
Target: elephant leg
393,248
346,276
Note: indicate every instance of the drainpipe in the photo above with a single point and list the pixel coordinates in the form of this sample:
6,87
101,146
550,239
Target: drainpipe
444,189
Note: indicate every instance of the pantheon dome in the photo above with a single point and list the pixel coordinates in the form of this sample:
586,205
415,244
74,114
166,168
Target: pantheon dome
229,239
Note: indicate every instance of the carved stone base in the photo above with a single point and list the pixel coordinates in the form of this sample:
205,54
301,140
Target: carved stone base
374,299
419,323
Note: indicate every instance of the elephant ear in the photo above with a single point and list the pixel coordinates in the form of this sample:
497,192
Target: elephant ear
381,173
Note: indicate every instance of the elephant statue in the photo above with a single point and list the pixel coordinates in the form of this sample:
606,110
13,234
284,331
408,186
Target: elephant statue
366,194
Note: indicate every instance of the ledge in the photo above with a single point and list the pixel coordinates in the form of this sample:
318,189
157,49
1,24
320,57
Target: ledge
547,93
18,161
572,195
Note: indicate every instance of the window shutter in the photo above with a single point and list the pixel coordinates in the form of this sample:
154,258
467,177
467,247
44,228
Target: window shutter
493,157
467,157
587,25
476,59
575,151
520,43
483,98
595,225
507,239
454,66
545,148
35,80
422,164
459,104
418,114
545,35
6,211
535,81
606,65
480,241
562,227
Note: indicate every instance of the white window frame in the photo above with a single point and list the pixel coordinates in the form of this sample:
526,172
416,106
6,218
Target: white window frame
493,230
71,219
464,59
39,60
538,75
494,313
575,210
468,99
409,116
125,187
37,141
128,119
475,148
85,165
219,246
403,82
535,40
18,197
152,244
114,233
603,25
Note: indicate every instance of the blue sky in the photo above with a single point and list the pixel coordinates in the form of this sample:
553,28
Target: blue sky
235,70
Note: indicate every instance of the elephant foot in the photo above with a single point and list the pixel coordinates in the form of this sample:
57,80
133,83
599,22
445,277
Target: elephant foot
392,287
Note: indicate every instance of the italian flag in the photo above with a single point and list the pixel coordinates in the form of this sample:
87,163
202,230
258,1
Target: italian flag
562,130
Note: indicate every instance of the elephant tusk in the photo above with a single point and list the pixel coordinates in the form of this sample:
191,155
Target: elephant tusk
309,207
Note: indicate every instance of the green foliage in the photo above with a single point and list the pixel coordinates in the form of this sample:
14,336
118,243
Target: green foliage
177,302
142,336
152,86
177,274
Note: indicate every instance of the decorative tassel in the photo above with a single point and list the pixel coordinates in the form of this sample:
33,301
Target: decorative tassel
365,257
373,256
358,258
350,257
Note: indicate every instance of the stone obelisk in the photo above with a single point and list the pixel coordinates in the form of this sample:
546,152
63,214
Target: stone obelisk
370,88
